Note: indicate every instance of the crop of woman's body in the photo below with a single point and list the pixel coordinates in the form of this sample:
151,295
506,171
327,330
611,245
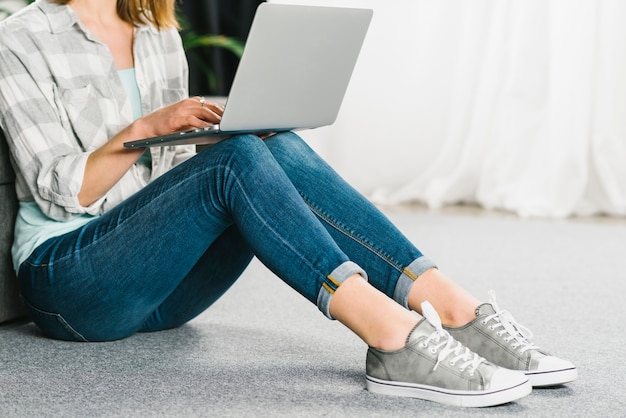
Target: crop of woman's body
108,164
271,197
351,304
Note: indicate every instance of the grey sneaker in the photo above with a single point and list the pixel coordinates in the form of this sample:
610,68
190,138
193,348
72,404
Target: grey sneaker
435,367
495,335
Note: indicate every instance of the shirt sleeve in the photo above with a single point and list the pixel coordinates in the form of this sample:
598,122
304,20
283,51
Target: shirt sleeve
49,160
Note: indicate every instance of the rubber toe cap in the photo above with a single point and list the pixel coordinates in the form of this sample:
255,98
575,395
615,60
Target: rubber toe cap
505,378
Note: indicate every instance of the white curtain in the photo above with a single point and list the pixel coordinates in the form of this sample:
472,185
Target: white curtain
512,104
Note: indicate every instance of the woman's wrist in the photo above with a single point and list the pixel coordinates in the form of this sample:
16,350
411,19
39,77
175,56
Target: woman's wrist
139,129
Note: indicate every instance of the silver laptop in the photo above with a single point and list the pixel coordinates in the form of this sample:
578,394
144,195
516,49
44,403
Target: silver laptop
293,74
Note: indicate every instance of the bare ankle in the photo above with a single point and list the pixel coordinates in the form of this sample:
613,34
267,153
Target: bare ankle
378,320
454,318
455,306
395,338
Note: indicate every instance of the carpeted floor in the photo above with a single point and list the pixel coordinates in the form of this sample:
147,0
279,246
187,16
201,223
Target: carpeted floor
262,350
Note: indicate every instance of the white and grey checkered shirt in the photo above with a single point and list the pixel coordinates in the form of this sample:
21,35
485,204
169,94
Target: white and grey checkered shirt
61,98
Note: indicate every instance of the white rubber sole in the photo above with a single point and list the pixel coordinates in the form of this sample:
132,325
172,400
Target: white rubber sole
552,378
472,399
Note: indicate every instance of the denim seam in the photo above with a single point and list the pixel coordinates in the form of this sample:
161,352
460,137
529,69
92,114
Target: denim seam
378,252
400,293
59,317
333,282
410,275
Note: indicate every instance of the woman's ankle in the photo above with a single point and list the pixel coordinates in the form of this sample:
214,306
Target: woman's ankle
377,319
455,306
395,338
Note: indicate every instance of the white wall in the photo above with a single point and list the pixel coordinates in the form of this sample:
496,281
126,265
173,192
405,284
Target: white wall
393,100
511,104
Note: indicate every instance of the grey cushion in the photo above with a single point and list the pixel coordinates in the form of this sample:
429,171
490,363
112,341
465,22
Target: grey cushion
6,171
10,304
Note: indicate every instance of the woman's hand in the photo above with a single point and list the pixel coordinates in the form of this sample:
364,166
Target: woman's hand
106,165
187,114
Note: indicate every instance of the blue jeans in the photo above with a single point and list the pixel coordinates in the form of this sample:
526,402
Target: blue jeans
167,253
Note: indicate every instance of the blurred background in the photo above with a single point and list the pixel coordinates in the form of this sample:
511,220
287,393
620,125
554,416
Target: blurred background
214,32
508,104
228,20
505,104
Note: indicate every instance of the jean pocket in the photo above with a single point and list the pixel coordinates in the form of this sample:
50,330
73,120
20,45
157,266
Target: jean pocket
53,324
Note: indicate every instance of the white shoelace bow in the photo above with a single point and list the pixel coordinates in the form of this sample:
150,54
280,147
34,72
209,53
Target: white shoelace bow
517,334
441,339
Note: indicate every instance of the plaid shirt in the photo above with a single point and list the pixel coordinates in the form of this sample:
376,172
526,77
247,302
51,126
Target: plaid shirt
61,98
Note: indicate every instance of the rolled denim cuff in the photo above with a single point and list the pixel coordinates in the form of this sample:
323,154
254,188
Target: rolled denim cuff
408,277
332,282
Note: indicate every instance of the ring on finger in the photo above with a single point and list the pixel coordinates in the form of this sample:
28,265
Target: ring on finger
202,101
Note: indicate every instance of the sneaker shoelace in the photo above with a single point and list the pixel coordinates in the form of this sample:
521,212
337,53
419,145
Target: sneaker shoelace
512,332
443,342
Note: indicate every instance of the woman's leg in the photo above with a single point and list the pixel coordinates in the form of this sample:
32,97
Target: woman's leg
104,280
368,237
399,269
216,271
119,273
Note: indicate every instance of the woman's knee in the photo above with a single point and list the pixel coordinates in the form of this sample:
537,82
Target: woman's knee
240,152
288,147
285,139
232,143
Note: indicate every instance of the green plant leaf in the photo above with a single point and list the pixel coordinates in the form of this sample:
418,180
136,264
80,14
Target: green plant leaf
219,41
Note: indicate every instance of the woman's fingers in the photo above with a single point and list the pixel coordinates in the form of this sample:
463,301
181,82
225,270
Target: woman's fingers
210,112
194,112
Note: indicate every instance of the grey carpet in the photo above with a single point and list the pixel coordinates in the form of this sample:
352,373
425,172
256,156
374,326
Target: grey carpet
262,350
